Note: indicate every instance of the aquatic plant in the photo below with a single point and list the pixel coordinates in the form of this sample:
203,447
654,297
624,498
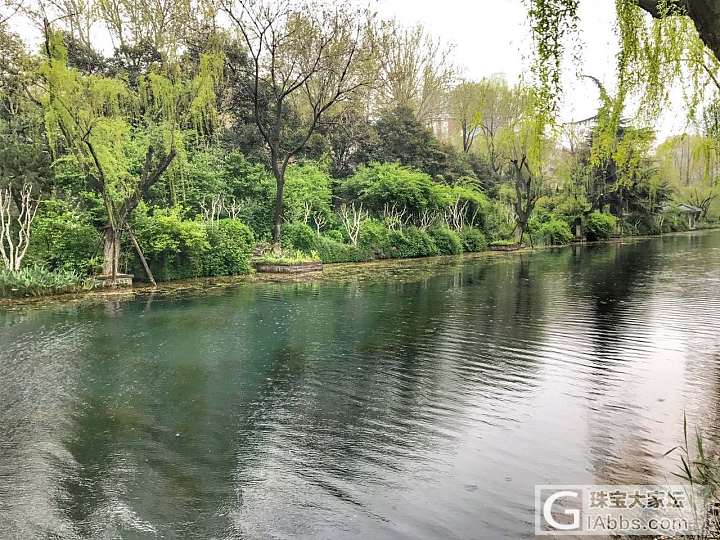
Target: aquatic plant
701,470
39,281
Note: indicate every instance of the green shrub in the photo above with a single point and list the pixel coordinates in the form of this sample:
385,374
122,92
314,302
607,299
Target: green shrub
641,224
374,238
300,236
555,232
307,185
411,242
499,222
231,245
504,243
473,240
447,241
600,226
64,239
379,184
674,221
175,248
337,235
39,281
289,258
331,251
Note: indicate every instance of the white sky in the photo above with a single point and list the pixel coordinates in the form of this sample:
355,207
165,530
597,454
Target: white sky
492,36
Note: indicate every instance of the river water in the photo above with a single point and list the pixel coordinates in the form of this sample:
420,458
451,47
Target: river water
406,406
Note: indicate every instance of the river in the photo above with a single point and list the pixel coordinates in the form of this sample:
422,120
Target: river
401,407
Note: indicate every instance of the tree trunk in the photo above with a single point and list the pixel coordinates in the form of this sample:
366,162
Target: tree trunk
278,214
111,252
143,260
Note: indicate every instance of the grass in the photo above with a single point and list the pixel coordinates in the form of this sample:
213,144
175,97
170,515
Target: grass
39,281
289,258
702,472
503,243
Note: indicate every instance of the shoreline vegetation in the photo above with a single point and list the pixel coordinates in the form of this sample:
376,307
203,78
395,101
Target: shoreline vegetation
407,268
329,136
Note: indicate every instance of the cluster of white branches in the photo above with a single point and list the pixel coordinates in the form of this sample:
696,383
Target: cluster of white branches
352,219
216,206
12,247
427,219
455,214
395,218
318,218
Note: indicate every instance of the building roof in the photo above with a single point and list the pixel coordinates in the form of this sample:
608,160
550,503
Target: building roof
689,209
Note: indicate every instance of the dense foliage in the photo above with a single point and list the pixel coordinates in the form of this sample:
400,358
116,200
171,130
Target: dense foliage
192,149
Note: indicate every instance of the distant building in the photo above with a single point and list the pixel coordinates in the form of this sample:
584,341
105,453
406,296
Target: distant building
693,214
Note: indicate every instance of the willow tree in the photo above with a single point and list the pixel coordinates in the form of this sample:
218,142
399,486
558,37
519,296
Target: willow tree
123,138
304,59
679,43
526,144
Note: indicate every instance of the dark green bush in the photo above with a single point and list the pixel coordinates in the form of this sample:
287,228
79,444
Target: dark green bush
555,232
473,240
411,242
642,224
175,248
379,184
374,238
64,239
231,245
336,234
447,241
331,251
600,226
300,236
674,221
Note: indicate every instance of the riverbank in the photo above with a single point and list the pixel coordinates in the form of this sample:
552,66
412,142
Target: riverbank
402,269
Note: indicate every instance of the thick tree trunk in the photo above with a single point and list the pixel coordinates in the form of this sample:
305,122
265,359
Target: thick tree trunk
111,252
278,214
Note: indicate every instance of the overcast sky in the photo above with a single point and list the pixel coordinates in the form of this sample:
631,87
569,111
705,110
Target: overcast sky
492,36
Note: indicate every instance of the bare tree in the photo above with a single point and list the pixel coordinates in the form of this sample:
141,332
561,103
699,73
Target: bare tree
233,208
303,59
352,219
320,221
395,218
14,243
465,106
426,219
212,207
8,9
414,70
499,108
527,194
456,213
